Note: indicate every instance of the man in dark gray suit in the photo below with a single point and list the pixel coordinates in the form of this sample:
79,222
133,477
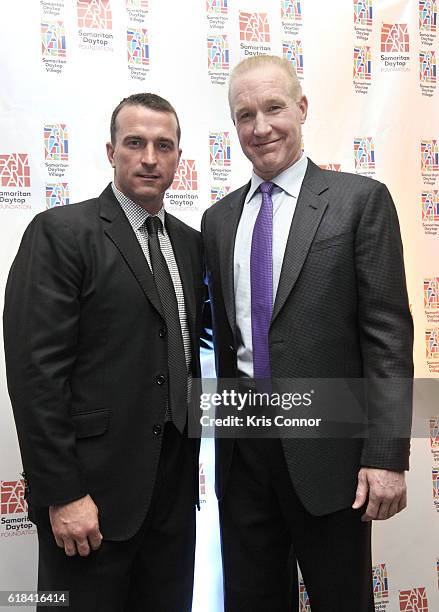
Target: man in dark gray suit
306,278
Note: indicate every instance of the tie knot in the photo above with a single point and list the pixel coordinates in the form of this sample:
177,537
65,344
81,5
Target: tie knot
153,225
266,187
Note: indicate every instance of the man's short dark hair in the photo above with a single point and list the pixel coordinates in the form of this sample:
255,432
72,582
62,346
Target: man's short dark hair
148,100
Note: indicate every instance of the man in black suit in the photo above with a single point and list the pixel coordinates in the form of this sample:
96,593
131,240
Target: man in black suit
101,325
330,303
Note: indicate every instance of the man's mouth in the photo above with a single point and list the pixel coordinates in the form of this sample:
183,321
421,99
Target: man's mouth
262,145
148,177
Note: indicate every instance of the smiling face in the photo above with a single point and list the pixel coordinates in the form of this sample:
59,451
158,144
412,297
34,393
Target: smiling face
268,119
145,154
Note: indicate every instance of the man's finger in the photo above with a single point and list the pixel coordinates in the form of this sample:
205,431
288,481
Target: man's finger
394,507
384,511
403,501
360,495
69,547
372,509
83,547
59,541
95,539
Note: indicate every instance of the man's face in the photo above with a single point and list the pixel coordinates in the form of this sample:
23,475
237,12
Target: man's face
145,154
267,119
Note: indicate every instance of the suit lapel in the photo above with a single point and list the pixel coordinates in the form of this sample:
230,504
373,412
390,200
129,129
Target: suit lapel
310,208
120,232
230,220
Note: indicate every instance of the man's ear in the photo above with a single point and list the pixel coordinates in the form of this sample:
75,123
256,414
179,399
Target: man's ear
303,107
110,153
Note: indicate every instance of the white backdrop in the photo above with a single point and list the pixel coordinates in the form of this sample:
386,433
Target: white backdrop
369,70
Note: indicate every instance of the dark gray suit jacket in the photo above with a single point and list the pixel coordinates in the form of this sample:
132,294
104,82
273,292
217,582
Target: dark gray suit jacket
341,311
86,358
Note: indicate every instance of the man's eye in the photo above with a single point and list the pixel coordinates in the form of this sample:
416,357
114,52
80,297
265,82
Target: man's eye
164,146
243,116
274,107
134,142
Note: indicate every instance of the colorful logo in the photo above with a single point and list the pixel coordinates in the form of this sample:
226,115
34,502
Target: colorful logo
218,193
291,10
432,343
362,63
304,603
364,152
12,497
56,142
94,14
428,15
218,52
15,170
429,155
202,481
53,39
219,147
334,167
254,27
363,12
186,177
137,46
137,5
293,52
430,206
431,292
380,581
217,6
434,433
395,38
413,600
427,66
57,194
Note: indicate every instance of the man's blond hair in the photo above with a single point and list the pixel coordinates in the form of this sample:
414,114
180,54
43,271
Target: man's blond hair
257,61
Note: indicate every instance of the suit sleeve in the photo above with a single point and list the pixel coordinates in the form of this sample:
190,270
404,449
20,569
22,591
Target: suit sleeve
386,333
41,325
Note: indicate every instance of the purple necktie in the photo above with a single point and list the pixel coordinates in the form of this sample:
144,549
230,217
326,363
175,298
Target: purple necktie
261,282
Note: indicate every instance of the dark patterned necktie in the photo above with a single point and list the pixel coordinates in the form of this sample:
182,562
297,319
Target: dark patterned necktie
177,369
261,282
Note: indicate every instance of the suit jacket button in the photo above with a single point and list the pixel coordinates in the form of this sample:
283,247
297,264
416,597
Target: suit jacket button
157,430
160,379
162,332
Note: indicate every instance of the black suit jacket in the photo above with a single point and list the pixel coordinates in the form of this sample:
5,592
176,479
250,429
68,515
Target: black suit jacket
85,353
341,311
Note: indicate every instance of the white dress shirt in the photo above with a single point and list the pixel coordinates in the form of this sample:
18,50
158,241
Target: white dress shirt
286,190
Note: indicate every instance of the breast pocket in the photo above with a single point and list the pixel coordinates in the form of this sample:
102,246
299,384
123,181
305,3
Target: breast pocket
333,241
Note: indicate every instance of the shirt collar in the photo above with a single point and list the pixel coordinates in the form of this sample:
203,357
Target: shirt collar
290,180
135,213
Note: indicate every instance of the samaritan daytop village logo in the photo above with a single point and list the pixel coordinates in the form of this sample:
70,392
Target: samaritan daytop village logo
254,33
14,178
430,212
380,583
57,194
292,51
427,73
432,349
13,510
429,161
218,193
362,69
304,603
137,10
434,438
182,193
363,15
427,21
53,46
395,47
220,158
95,22
138,53
217,13
218,58
431,299
292,16
56,149
364,156
52,8
331,166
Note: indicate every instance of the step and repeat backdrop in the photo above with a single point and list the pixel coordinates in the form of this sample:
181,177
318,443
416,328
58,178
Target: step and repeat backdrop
369,69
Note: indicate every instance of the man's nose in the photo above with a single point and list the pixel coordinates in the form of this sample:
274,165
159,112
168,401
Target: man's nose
261,127
149,157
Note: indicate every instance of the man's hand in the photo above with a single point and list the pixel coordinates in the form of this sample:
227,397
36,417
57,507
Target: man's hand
387,493
76,527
